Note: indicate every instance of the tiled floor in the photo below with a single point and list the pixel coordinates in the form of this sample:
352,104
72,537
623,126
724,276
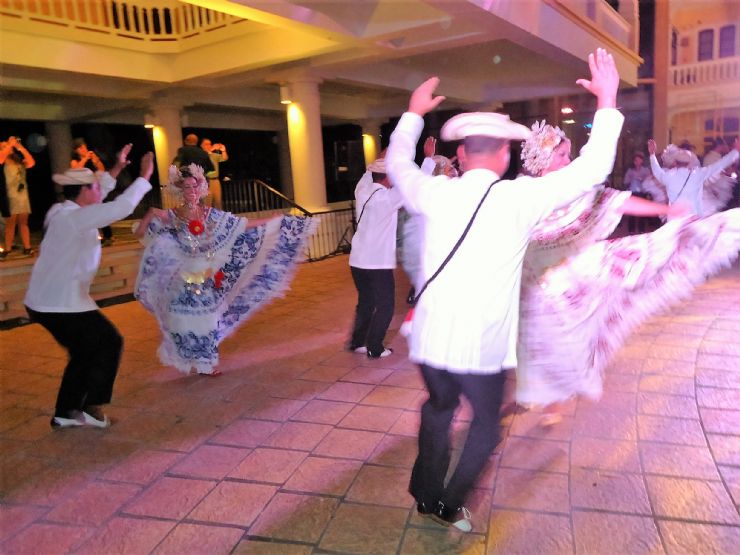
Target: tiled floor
302,448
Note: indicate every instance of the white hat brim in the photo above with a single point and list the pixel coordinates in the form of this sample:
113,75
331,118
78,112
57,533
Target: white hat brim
483,124
76,176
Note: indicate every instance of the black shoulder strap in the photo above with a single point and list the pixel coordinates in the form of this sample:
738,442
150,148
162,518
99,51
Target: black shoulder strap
457,245
364,205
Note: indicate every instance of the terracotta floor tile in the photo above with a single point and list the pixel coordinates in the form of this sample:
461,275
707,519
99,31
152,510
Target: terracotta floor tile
196,538
210,462
721,421
524,533
93,504
233,503
691,499
664,367
295,517
367,375
407,424
127,535
529,489
303,436
727,378
323,412
323,373
680,431
441,541
526,424
731,477
349,444
273,408
379,419
327,476
254,547
678,460
46,539
683,538
142,467
345,391
405,378
597,533
303,390
395,451
609,491
709,360
170,498
667,405
397,397
667,385
536,454
715,398
50,486
606,425
365,529
268,465
725,449
246,433
381,485
14,518
605,454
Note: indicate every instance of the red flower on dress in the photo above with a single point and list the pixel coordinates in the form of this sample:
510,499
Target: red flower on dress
196,227
218,277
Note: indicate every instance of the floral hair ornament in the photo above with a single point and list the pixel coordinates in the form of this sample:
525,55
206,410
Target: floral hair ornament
538,149
178,175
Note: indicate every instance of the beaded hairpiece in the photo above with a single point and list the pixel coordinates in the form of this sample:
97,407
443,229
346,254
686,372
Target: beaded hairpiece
178,175
538,149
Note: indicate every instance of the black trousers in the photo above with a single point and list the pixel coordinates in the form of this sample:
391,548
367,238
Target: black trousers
484,391
94,346
376,293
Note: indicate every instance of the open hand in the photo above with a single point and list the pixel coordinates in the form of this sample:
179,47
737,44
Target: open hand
422,100
147,166
430,147
652,149
122,155
604,79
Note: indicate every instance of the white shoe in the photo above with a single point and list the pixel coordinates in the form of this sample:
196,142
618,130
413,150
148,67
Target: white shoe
386,353
90,420
361,350
59,422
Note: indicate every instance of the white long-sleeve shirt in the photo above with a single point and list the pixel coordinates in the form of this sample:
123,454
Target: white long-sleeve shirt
374,242
70,252
467,319
687,184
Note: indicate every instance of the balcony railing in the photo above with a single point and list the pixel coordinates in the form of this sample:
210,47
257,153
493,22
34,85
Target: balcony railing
145,20
713,72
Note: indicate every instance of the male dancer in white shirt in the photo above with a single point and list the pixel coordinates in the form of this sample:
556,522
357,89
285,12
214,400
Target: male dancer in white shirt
373,259
465,325
684,183
58,295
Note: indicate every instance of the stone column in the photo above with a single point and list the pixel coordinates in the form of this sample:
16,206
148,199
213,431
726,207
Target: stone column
286,175
306,144
662,64
371,140
59,134
167,134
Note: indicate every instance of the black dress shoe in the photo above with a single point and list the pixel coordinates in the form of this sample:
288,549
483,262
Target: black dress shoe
422,509
456,517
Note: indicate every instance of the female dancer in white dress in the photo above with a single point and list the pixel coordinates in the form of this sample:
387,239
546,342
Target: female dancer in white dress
204,272
582,295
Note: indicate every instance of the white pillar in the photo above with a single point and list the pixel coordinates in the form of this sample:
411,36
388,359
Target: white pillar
60,144
167,133
306,145
371,140
286,176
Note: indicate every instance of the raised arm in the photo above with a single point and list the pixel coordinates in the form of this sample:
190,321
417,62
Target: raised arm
101,215
658,172
636,206
28,160
399,159
727,160
593,166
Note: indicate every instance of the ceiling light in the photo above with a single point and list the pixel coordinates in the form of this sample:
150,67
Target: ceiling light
566,110
285,94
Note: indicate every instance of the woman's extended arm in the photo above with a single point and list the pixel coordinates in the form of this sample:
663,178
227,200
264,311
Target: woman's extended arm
636,206
152,213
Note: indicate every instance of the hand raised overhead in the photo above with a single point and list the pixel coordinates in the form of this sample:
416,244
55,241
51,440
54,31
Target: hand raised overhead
422,99
604,80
